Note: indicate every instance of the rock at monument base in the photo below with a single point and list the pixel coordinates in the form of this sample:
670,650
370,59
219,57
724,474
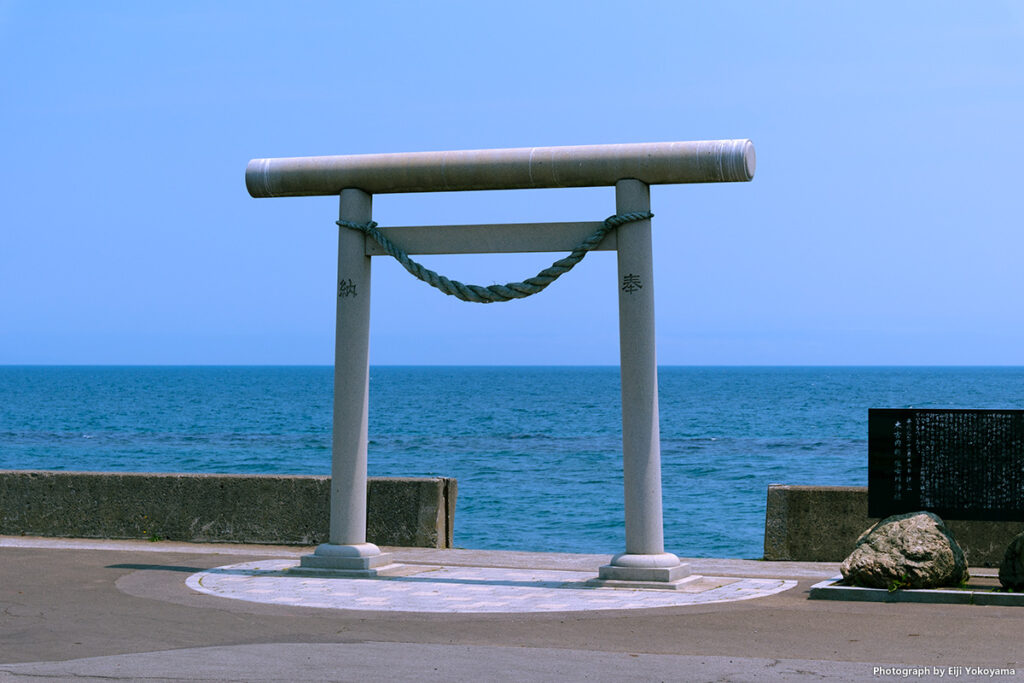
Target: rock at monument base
914,550
1011,571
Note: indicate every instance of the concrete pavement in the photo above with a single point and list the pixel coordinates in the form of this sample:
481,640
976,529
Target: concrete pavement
122,610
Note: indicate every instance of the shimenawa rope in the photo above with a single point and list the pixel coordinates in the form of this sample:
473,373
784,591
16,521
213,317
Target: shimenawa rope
508,291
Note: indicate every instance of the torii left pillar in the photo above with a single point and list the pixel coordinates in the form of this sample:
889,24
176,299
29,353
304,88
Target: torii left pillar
347,550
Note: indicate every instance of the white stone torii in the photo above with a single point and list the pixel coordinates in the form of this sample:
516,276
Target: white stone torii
631,168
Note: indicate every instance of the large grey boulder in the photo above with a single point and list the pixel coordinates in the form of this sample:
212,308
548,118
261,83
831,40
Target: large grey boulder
914,550
1011,571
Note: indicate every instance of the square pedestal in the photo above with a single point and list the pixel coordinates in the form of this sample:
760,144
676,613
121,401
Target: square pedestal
667,578
346,566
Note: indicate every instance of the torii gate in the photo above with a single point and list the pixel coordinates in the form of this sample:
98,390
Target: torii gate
631,168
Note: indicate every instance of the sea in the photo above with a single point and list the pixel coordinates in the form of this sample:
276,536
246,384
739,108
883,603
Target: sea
536,450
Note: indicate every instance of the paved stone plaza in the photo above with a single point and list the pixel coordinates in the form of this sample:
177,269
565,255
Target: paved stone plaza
424,588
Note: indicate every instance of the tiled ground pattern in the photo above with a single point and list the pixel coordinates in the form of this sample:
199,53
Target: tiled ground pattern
456,589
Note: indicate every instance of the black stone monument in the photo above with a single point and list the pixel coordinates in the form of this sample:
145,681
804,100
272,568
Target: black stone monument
959,464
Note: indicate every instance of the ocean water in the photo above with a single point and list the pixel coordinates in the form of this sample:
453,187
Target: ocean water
536,450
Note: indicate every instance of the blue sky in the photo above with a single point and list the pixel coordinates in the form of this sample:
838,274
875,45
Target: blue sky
883,226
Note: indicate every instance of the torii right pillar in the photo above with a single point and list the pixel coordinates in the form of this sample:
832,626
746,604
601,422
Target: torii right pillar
645,561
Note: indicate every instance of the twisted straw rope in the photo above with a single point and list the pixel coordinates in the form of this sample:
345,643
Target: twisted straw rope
508,291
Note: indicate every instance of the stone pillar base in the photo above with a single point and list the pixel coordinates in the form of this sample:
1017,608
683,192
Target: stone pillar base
686,583
663,570
363,559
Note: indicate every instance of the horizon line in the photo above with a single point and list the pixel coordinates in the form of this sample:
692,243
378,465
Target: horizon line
480,365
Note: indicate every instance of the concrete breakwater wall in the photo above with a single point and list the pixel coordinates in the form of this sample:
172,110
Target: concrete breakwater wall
273,509
822,524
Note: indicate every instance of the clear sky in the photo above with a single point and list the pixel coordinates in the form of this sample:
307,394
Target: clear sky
883,226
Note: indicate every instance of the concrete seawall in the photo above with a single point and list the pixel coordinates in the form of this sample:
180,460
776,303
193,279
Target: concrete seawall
822,524
272,509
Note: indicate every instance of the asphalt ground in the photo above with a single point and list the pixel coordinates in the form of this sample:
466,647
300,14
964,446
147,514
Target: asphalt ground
121,610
